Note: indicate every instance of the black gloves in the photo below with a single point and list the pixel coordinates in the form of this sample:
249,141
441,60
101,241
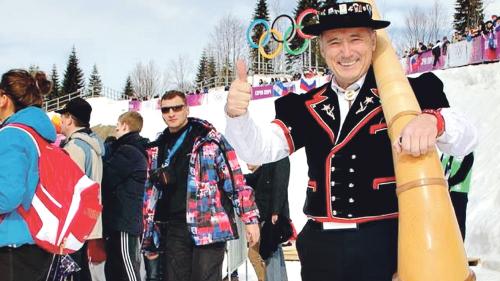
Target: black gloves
162,176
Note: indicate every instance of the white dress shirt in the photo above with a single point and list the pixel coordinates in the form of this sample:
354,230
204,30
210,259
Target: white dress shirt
265,143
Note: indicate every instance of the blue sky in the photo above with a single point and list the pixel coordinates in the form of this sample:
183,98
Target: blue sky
117,34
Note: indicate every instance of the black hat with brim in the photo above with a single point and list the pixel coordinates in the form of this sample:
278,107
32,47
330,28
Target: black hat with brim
345,15
79,108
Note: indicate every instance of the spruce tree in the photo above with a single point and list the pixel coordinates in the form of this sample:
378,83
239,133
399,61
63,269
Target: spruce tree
261,12
73,77
477,12
128,91
316,58
468,14
95,83
202,68
211,69
460,16
56,87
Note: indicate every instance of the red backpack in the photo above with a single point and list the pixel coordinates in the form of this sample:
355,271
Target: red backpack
66,206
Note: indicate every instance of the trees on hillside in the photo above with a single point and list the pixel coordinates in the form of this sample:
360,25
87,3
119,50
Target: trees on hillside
73,76
147,80
211,68
261,12
227,43
201,73
207,68
314,57
128,91
468,14
425,24
95,83
56,87
179,73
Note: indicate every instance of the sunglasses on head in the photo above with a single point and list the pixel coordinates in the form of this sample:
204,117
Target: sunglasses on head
175,108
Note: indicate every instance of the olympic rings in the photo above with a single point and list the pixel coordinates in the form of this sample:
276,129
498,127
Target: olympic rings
298,51
252,25
291,35
261,46
300,18
271,31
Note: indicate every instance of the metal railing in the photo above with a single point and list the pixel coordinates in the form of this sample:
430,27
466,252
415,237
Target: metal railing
59,102
222,81
214,82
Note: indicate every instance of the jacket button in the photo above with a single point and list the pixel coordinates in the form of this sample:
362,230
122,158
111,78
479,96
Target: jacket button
333,169
332,183
351,200
351,185
349,215
351,170
333,198
334,212
353,156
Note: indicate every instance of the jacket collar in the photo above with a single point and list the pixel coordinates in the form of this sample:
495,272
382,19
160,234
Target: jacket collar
362,109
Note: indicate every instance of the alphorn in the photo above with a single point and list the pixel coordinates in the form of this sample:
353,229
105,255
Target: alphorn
430,246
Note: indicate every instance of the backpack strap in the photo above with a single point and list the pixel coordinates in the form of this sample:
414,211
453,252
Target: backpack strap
37,139
87,151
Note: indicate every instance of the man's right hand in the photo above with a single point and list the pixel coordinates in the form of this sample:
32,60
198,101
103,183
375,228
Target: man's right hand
240,91
252,234
161,177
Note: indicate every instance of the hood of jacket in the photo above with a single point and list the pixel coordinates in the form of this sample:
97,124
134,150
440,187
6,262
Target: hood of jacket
134,139
35,118
91,138
205,132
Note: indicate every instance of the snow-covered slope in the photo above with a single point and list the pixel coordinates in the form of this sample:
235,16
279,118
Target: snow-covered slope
475,90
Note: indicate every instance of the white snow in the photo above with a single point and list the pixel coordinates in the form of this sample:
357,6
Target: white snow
474,90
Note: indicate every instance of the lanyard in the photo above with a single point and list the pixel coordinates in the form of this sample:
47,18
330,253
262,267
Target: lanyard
171,152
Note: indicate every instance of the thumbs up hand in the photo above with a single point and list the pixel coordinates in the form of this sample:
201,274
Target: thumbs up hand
239,92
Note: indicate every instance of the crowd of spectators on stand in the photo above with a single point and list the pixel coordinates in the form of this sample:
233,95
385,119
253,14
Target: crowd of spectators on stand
309,73
273,81
440,47
486,29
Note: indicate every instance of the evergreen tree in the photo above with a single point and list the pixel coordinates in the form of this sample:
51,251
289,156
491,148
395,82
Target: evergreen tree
316,58
202,68
56,87
73,77
261,12
468,14
211,68
95,83
128,91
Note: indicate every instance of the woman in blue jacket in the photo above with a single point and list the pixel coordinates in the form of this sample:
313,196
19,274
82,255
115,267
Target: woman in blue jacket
21,96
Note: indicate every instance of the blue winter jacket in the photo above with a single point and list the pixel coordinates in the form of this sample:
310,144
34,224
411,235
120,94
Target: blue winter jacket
19,172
